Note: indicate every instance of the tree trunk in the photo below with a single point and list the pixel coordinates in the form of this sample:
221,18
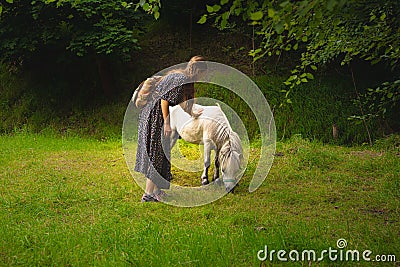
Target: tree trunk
335,131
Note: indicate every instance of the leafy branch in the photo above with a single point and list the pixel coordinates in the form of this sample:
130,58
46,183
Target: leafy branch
323,31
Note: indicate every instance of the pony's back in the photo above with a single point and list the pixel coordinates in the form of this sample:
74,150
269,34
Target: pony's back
212,124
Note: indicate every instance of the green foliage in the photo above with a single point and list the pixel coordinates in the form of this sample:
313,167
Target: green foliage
323,31
379,101
150,7
82,27
1,6
30,107
319,105
326,29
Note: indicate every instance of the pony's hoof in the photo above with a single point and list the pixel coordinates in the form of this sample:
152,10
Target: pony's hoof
218,182
204,181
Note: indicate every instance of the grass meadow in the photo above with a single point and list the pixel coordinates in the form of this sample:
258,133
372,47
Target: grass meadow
69,201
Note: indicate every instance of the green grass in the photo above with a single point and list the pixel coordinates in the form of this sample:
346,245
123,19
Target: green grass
72,201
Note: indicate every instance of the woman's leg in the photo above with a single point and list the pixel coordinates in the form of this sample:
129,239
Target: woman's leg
156,190
148,195
150,187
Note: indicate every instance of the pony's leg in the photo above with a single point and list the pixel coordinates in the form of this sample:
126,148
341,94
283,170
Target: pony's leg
174,137
207,162
216,166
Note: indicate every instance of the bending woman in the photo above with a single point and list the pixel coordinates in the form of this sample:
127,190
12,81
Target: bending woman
153,151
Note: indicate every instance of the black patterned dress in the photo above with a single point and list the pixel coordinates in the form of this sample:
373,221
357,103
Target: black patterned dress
153,150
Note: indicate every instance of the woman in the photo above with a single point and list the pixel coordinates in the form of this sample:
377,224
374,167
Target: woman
153,151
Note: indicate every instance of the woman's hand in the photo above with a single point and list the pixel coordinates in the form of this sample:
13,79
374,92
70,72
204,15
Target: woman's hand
165,112
197,112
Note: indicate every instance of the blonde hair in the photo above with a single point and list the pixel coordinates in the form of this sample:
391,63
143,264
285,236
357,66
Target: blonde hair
144,90
195,66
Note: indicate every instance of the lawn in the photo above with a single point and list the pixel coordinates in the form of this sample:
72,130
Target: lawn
72,201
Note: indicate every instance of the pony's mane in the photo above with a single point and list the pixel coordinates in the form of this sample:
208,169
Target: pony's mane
220,133
231,144
226,140
234,143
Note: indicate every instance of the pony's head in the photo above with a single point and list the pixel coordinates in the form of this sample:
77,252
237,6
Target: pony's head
231,159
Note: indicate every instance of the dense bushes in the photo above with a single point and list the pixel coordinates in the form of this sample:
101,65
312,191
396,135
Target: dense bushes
29,104
317,106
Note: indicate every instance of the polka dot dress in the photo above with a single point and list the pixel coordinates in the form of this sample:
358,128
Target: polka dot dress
153,149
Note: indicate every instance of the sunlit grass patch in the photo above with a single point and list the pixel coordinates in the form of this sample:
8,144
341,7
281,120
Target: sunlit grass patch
188,163
72,201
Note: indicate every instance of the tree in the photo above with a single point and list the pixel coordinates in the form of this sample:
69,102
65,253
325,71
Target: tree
324,31
86,28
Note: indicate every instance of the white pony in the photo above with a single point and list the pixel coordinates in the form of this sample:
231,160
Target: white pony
212,129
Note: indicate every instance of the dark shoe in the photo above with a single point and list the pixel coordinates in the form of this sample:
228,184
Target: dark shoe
149,198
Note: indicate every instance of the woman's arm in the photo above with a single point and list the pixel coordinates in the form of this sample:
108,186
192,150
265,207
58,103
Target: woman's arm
165,112
187,106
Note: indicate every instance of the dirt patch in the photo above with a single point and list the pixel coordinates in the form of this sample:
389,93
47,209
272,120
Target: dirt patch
366,153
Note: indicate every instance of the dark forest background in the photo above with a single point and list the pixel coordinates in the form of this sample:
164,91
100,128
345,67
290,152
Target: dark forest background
327,68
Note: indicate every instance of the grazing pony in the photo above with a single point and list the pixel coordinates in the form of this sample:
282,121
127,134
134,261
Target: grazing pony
212,129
